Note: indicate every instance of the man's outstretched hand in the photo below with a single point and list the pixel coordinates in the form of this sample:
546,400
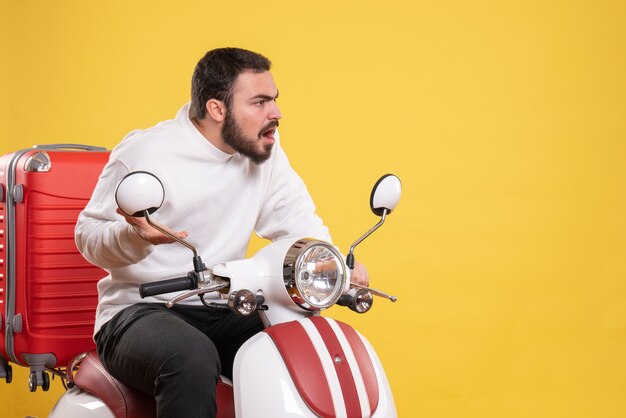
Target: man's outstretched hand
150,234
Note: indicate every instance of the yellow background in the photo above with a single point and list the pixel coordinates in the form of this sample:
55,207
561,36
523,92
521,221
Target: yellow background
504,119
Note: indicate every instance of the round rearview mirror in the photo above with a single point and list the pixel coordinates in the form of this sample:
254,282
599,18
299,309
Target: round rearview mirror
385,194
139,191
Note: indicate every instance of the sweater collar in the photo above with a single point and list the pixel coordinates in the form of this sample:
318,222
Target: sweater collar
192,132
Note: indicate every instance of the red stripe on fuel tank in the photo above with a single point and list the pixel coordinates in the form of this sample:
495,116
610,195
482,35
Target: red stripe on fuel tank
344,373
365,364
304,366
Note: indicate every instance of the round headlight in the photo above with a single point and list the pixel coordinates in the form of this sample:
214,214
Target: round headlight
314,273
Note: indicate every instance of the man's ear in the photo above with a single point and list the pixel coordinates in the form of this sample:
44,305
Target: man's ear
216,110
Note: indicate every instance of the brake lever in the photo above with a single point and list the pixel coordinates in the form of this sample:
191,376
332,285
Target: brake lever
216,285
375,292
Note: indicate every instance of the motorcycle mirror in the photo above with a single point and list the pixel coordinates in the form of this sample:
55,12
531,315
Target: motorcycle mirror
385,194
138,192
383,199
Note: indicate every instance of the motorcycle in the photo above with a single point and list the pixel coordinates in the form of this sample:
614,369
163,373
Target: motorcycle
301,365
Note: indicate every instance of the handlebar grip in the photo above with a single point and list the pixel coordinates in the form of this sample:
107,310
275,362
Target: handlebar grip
167,286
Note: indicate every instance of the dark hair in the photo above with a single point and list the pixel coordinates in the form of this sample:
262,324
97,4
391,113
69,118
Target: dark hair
216,73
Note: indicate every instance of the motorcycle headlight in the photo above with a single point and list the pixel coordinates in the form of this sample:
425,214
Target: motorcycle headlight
314,273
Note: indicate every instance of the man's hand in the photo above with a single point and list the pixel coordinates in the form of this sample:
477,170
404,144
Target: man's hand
148,233
359,275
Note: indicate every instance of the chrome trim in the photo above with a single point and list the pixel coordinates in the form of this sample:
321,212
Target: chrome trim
242,302
72,367
289,274
162,230
363,301
367,234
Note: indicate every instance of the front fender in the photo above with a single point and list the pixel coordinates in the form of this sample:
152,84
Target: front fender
308,368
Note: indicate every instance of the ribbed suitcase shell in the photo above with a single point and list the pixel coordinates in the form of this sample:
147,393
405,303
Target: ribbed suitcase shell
48,290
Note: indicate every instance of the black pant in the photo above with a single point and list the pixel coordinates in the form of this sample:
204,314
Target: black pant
174,354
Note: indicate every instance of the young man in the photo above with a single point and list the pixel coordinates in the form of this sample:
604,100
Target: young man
225,176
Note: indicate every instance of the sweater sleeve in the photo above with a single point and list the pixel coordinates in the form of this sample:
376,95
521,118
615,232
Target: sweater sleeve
102,236
288,210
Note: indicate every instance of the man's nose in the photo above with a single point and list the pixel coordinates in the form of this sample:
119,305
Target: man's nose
275,112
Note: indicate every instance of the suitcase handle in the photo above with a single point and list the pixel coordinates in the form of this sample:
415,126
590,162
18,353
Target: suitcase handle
70,146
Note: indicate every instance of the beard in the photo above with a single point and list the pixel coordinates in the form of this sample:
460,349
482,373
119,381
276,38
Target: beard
234,136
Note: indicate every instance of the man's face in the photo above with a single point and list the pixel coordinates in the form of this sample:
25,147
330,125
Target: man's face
252,118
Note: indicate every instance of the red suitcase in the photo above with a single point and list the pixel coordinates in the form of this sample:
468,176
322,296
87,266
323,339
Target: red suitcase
48,290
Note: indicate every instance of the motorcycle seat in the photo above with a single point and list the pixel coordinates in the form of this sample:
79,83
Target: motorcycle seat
126,402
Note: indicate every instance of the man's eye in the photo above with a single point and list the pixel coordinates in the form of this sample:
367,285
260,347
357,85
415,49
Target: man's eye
260,103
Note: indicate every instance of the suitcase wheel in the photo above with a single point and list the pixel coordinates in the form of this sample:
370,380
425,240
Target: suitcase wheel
9,374
46,382
38,379
32,382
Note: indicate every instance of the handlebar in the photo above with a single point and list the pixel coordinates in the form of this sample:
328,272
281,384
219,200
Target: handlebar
167,286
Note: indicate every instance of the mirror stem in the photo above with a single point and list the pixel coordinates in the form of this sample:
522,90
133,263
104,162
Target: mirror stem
350,257
198,265
169,234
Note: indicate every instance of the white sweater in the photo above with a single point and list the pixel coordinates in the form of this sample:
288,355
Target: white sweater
218,198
